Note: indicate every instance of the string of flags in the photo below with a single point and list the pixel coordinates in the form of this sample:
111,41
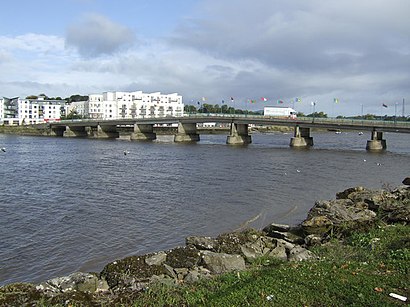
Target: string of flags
278,101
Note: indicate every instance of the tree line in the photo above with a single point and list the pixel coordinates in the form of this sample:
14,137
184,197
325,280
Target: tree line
70,99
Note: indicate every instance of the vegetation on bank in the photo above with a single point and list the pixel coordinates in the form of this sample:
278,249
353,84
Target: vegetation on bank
360,270
20,130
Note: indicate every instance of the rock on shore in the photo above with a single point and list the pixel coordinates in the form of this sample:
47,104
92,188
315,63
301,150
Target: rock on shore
354,209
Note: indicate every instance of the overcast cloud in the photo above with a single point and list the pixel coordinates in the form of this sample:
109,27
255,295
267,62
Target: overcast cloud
96,35
356,51
316,49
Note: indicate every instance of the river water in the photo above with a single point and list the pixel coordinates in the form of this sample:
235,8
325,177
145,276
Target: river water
71,205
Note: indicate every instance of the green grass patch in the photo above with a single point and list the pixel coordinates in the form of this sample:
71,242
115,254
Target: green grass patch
20,130
360,271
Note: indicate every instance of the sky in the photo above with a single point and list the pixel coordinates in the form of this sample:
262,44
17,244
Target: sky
212,50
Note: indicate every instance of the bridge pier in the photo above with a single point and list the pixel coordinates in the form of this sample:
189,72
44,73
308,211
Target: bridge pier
143,132
56,131
102,132
238,135
301,138
75,131
376,143
186,133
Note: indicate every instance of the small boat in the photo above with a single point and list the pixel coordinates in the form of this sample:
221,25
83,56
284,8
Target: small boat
338,132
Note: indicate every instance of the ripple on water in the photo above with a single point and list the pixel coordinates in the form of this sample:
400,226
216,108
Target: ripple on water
75,204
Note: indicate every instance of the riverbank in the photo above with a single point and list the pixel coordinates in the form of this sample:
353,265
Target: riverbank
351,250
21,130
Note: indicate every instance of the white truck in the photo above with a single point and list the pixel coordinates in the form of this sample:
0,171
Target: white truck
284,112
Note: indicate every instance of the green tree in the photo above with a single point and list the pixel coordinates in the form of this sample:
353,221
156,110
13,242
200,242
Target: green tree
77,97
318,115
190,109
44,96
369,116
72,115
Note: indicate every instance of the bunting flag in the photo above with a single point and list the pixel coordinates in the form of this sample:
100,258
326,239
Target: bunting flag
336,100
384,105
298,100
280,101
313,103
232,99
223,101
252,101
203,98
264,99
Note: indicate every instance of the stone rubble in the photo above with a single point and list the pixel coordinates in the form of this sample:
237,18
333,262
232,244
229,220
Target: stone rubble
354,209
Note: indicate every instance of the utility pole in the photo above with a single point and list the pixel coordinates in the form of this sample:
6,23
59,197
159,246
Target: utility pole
402,113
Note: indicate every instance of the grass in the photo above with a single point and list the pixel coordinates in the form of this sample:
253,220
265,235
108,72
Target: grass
20,130
361,270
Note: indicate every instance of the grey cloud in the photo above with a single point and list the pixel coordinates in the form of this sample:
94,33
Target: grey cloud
96,35
313,48
298,35
26,88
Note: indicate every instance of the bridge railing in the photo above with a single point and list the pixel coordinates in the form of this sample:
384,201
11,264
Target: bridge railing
358,122
325,120
258,118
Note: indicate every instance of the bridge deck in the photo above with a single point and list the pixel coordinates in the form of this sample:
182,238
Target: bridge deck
324,123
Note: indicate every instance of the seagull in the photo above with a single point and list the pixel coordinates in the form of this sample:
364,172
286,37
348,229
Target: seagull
298,171
378,164
3,149
126,152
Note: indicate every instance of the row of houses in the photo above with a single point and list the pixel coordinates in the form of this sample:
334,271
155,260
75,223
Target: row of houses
108,105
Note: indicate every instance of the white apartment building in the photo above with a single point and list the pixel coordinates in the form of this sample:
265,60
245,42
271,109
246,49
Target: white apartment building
1,110
17,111
117,105
108,105
80,107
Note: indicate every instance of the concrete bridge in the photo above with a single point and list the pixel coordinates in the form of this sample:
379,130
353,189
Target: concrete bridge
142,129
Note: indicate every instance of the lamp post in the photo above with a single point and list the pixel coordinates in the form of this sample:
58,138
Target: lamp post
362,113
314,105
395,113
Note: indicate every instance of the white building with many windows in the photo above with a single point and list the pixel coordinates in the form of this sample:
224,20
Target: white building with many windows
17,111
80,108
117,105
108,105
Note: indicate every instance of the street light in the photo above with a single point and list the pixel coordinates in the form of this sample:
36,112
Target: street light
313,104
395,113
